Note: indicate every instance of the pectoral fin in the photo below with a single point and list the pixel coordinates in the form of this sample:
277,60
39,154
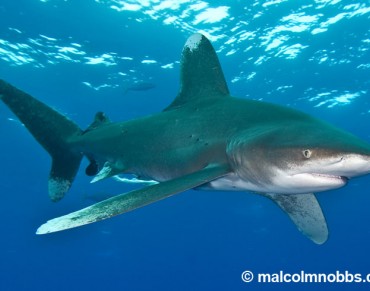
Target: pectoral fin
305,211
132,200
109,170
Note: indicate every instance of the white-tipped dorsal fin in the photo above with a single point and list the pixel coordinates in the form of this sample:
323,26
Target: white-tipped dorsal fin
201,73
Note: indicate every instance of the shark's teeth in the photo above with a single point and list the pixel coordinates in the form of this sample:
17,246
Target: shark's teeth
343,178
193,41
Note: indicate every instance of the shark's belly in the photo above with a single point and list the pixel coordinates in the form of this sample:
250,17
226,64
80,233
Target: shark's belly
230,182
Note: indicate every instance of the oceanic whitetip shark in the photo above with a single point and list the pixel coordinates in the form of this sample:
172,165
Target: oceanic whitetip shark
206,139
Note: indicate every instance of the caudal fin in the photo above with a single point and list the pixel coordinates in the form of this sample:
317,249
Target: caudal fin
52,130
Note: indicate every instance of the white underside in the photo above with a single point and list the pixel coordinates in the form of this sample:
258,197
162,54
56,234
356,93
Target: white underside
312,178
295,184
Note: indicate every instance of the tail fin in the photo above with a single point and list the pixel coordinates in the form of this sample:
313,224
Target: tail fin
52,130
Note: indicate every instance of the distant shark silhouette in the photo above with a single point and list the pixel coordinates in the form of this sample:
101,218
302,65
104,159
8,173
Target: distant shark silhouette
205,139
139,86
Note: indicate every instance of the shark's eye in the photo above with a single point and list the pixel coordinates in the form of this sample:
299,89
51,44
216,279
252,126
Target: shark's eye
306,153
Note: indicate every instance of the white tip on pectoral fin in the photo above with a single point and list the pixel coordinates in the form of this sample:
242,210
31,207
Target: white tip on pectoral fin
305,211
129,201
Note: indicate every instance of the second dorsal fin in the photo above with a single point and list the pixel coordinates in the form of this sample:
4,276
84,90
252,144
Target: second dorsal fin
201,73
99,120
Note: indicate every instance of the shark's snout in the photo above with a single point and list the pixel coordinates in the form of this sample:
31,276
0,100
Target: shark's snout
347,166
328,173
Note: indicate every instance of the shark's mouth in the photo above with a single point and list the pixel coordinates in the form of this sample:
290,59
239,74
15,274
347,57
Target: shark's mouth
344,179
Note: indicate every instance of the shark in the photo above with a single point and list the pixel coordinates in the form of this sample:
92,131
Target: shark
204,140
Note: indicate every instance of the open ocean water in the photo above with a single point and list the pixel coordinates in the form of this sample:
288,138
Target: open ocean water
85,56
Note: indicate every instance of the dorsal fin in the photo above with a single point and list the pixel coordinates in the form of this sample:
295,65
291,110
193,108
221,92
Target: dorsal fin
99,120
201,73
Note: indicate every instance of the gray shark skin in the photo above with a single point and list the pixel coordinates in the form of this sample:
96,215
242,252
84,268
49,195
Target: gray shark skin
205,139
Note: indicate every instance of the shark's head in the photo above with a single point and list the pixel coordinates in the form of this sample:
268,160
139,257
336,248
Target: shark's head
298,158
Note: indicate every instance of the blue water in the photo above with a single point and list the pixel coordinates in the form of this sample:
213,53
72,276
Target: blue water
79,56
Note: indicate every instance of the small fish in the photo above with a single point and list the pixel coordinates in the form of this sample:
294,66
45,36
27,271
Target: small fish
139,86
